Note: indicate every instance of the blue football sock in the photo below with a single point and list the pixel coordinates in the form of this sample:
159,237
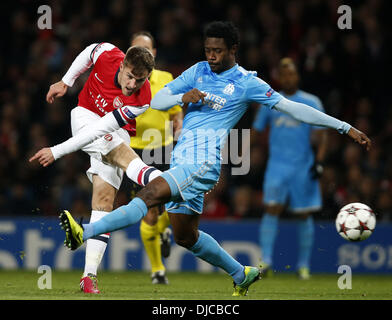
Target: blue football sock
268,232
208,249
305,241
120,218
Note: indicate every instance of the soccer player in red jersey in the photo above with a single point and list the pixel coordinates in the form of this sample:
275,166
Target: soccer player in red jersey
118,82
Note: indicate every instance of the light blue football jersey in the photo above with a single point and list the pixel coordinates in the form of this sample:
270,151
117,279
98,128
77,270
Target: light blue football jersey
206,125
289,139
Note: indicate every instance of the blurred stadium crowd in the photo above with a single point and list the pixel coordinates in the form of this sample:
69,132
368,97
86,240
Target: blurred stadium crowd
347,69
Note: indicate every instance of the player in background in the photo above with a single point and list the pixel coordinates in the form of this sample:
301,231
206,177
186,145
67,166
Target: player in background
291,177
218,92
119,82
154,135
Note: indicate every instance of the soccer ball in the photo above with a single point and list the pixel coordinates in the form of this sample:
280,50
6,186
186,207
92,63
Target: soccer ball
355,222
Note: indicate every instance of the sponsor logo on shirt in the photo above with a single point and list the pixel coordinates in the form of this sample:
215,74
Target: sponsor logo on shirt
214,101
100,102
96,75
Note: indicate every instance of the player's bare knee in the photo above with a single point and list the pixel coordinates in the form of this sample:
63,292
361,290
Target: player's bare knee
150,194
185,238
185,241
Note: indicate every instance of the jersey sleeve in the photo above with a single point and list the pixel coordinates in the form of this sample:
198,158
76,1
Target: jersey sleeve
184,82
99,49
262,119
176,109
81,63
317,104
259,91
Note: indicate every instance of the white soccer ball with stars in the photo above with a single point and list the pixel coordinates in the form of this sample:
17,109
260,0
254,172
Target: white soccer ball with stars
355,222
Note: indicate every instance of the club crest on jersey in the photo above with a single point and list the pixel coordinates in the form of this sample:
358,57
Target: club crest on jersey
117,103
229,89
108,137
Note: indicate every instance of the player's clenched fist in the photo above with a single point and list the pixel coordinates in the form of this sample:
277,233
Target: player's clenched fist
44,157
193,96
56,90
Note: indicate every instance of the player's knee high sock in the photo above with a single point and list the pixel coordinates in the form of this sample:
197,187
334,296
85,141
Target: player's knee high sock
95,248
141,173
117,219
305,241
152,245
208,249
163,222
268,231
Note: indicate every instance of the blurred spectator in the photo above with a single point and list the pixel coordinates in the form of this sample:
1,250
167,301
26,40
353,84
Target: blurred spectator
241,203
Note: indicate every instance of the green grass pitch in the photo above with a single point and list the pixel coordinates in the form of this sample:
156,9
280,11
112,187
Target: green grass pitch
132,285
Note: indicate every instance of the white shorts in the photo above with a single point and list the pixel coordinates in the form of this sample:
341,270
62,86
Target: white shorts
80,119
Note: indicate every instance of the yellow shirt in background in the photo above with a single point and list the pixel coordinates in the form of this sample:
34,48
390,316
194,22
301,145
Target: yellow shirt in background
153,128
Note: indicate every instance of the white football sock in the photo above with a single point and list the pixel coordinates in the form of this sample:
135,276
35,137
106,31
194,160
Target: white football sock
95,248
141,173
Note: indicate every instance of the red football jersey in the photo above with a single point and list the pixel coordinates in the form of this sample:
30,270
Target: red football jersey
101,92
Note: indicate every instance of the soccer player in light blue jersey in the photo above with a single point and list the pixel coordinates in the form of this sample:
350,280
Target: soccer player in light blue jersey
291,177
217,93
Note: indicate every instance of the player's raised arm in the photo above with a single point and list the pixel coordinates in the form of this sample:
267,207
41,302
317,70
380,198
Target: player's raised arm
108,123
164,99
82,62
304,113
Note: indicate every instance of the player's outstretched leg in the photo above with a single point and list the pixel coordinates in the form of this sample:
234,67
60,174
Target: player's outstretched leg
205,247
73,230
119,218
209,250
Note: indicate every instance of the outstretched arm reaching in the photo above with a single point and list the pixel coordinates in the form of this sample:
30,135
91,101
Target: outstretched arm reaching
81,64
307,114
108,123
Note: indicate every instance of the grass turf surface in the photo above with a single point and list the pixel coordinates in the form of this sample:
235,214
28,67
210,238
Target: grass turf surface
22,285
